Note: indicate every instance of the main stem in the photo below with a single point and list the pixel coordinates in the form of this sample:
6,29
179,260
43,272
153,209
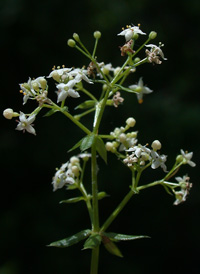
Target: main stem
95,225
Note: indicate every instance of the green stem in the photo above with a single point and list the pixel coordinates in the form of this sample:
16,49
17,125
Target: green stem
87,200
150,185
80,125
94,261
119,208
95,191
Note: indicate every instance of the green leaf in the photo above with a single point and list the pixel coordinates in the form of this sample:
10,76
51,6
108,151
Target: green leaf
86,104
101,149
93,241
126,89
74,239
76,145
121,237
87,142
72,200
111,247
50,112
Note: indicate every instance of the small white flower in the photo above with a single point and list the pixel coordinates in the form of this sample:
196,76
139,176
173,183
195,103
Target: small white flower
141,89
187,158
130,31
65,90
25,123
185,188
57,74
158,160
80,74
27,90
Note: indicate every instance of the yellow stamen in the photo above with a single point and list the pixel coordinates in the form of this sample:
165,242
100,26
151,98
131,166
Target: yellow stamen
21,91
122,28
139,25
63,66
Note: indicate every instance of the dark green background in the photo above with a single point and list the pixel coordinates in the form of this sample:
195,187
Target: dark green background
34,38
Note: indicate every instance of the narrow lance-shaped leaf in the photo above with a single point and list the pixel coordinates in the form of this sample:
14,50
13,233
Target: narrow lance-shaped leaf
72,200
74,239
86,104
122,237
92,242
87,142
101,149
126,89
50,112
76,145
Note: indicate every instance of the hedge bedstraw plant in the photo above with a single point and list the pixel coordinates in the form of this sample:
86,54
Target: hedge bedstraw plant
122,141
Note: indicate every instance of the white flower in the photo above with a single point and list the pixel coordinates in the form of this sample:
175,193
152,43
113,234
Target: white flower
65,90
158,160
187,158
141,89
25,123
130,31
80,74
27,90
57,74
185,187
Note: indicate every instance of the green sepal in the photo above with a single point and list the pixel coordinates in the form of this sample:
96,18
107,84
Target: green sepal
111,247
72,200
87,142
74,239
109,102
93,241
101,149
126,89
50,112
122,237
72,186
86,104
167,189
76,145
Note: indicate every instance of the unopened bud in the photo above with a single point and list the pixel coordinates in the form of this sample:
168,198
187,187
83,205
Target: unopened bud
35,85
74,160
117,70
71,43
43,83
152,35
136,60
97,34
109,146
8,113
135,36
130,122
122,137
75,170
156,145
76,37
179,158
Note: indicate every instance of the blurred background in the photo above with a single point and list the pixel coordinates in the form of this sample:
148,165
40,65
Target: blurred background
34,38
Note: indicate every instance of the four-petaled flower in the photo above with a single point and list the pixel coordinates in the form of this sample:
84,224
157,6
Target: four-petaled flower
154,54
158,160
141,90
25,123
187,156
130,31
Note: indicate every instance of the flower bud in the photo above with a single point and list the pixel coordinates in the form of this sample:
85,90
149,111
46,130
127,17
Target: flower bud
8,113
130,122
74,160
56,76
122,137
76,37
152,35
75,170
156,145
35,85
109,146
71,43
136,60
97,34
43,83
